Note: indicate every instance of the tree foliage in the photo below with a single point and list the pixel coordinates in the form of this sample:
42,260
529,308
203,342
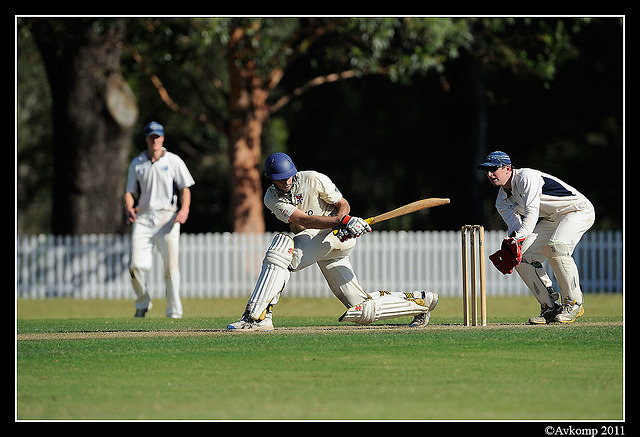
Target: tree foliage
231,90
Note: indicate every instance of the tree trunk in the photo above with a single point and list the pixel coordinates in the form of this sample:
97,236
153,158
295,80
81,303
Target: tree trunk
93,114
246,191
247,103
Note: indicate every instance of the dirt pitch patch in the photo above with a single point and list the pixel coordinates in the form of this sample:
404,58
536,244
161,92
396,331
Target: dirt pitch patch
83,335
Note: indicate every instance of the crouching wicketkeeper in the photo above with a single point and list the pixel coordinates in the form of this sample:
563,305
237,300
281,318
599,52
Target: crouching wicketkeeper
546,219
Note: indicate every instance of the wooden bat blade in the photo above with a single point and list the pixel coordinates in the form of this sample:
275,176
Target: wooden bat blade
409,208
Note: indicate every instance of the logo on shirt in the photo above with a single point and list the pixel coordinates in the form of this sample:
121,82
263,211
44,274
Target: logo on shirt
298,198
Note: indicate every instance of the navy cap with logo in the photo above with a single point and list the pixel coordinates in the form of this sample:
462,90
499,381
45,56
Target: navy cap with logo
154,128
494,160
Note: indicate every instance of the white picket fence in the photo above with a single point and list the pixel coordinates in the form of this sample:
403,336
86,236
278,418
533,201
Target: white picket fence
227,264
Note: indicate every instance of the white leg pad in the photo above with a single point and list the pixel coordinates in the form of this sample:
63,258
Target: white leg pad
387,306
565,270
273,276
538,282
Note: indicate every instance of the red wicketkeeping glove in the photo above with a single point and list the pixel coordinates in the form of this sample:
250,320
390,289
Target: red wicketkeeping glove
503,260
515,246
509,255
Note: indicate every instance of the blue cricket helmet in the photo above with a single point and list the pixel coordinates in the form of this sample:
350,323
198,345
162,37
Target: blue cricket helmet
279,166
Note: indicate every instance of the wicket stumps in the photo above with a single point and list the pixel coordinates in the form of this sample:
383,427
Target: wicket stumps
473,245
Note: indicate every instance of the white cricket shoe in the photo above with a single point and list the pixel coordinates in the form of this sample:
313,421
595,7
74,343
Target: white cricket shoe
246,323
430,301
570,312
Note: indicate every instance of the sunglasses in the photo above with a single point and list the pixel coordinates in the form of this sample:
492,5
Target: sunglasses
493,168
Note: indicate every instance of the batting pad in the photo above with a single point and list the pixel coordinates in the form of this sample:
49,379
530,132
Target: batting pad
273,276
388,306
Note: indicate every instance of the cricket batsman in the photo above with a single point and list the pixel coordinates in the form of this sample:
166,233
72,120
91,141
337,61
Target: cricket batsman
313,207
546,218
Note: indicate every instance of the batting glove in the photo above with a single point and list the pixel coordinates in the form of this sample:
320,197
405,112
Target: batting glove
342,234
355,225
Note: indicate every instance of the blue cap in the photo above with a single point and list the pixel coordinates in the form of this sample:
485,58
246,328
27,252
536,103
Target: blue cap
495,159
279,166
154,128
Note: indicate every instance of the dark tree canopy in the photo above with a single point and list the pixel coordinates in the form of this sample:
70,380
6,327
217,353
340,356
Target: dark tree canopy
392,109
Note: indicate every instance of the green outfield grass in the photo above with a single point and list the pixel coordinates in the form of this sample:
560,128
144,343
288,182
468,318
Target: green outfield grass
92,360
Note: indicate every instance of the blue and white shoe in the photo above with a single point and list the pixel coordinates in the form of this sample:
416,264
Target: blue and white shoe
547,314
430,300
246,324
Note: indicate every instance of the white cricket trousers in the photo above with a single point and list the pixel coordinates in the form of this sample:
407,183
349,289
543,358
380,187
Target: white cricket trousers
156,229
555,239
321,246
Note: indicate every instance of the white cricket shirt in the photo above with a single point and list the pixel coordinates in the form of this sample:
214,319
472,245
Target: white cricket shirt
313,193
535,195
158,183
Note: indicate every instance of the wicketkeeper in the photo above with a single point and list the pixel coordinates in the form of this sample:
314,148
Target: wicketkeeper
313,207
546,219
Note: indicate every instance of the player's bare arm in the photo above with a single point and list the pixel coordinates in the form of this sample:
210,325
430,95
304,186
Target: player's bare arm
183,214
321,222
128,207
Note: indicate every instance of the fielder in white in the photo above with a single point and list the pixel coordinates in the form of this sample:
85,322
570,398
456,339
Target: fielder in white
313,206
161,181
546,218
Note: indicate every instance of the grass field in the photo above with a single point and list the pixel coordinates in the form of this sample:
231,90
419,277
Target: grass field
91,360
